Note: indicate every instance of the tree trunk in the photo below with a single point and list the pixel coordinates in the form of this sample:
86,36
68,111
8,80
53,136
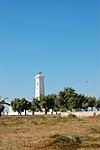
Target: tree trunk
52,112
19,113
0,113
46,112
25,112
32,112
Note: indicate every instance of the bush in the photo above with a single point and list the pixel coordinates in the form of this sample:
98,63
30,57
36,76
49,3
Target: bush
63,109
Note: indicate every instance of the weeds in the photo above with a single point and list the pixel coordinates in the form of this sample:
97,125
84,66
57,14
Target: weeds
71,116
95,130
64,142
33,132
41,122
2,123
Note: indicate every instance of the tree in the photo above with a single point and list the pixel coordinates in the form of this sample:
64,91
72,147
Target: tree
97,104
25,105
91,102
20,105
44,103
35,106
57,105
62,100
73,101
47,102
2,102
80,101
16,105
88,102
67,98
2,107
51,99
85,104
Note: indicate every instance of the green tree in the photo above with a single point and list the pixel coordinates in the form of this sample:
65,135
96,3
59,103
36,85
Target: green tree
73,101
91,102
67,98
57,105
20,105
16,105
51,99
2,102
35,106
25,105
97,104
85,104
62,100
44,103
88,102
2,107
79,102
47,102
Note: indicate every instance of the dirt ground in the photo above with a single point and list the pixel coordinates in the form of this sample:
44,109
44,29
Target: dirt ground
49,133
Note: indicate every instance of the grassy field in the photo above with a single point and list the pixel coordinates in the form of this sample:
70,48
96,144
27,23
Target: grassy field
49,133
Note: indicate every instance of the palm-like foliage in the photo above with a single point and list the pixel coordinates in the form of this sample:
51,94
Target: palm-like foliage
2,102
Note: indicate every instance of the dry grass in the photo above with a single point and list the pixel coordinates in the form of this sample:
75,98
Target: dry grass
49,133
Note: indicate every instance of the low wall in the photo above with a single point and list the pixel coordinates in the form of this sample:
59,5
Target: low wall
81,114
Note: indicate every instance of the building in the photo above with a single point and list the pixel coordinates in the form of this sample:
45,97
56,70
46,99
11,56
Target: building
39,85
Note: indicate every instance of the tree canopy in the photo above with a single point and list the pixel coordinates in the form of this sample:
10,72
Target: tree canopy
2,102
20,105
66,100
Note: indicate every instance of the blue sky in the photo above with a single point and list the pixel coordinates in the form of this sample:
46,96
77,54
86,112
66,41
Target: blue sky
60,38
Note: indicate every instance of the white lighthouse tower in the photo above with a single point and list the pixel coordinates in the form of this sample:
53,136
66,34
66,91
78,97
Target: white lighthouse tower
39,85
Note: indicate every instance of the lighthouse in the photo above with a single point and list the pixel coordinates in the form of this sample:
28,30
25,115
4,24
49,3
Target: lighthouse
39,85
